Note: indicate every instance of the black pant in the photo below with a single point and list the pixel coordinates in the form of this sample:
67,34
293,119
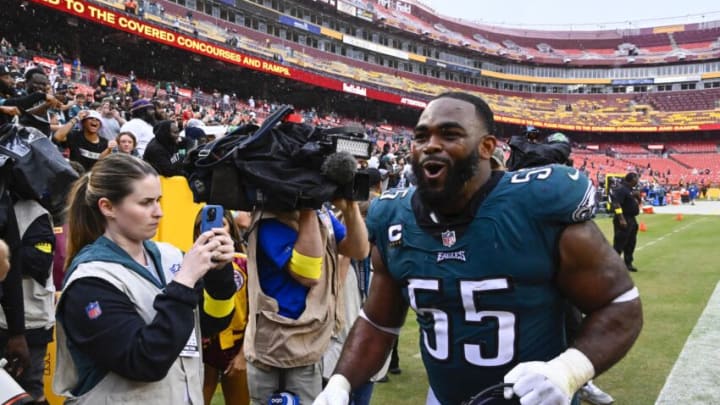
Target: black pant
625,239
394,356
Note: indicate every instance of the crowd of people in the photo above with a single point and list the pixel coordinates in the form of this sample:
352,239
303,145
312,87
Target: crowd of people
305,304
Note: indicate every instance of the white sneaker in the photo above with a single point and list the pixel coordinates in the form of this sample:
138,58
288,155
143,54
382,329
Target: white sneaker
591,393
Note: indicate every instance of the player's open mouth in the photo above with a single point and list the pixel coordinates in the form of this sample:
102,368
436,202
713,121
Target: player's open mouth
434,169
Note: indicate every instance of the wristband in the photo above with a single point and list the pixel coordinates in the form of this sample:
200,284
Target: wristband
618,211
306,266
577,368
340,382
217,308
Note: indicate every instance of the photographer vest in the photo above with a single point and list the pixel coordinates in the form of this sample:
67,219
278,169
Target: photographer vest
38,299
183,382
273,340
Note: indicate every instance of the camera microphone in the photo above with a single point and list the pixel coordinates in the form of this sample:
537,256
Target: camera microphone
339,167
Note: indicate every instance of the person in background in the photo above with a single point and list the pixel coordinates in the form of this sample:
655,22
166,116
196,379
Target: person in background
86,145
111,119
35,259
163,152
223,355
132,310
126,143
626,206
141,125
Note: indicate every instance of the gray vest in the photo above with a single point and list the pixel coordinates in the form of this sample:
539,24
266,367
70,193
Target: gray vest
183,383
38,299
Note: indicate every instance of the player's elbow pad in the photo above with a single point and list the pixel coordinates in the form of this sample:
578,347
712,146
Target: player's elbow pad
305,266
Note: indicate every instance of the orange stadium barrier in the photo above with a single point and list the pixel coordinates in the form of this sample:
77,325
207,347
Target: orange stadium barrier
176,227
676,198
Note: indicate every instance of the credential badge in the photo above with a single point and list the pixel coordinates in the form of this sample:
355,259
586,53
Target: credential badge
448,238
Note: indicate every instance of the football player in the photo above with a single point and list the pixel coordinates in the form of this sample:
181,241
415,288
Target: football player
487,260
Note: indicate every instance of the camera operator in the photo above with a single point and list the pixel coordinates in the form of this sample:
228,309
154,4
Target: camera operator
294,283
528,152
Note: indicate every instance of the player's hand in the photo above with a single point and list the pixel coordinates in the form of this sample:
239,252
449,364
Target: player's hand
622,224
533,386
336,392
550,383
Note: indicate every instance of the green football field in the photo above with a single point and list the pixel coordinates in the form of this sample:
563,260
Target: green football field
678,263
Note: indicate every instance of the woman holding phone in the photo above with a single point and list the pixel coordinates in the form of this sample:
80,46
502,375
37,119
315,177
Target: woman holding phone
130,315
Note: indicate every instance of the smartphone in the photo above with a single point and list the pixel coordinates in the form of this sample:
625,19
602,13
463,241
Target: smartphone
211,217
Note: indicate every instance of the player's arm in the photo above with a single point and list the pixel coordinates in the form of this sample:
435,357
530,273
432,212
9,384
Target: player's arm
371,337
594,279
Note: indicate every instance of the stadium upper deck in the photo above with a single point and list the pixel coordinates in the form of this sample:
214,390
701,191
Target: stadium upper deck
621,105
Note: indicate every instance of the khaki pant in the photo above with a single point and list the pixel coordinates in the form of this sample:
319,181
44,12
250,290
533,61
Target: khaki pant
305,382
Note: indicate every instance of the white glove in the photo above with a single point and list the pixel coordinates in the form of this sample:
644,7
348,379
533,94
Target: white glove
549,383
336,392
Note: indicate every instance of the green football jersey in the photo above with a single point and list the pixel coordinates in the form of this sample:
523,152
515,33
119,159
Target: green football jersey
485,298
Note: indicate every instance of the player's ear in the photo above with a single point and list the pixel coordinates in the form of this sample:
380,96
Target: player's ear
486,147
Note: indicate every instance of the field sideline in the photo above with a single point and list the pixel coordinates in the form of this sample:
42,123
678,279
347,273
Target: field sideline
678,262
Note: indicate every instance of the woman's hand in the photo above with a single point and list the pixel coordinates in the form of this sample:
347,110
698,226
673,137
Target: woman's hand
224,253
199,259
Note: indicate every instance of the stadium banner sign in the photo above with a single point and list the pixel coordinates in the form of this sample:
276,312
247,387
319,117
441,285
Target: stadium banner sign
677,79
365,15
303,25
413,102
167,36
346,8
354,89
361,43
331,33
632,82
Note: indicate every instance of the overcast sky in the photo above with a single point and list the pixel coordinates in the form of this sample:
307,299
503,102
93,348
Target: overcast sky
547,14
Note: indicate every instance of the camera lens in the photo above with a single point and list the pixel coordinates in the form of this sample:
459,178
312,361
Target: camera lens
211,214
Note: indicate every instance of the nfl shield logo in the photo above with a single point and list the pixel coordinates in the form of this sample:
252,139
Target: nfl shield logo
93,310
448,238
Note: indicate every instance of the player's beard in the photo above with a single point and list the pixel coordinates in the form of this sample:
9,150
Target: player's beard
458,173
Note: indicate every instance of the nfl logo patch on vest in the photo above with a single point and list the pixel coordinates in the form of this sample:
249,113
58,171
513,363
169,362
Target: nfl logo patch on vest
93,310
448,238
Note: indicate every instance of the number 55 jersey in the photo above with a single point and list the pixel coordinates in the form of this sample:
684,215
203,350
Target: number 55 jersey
483,287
